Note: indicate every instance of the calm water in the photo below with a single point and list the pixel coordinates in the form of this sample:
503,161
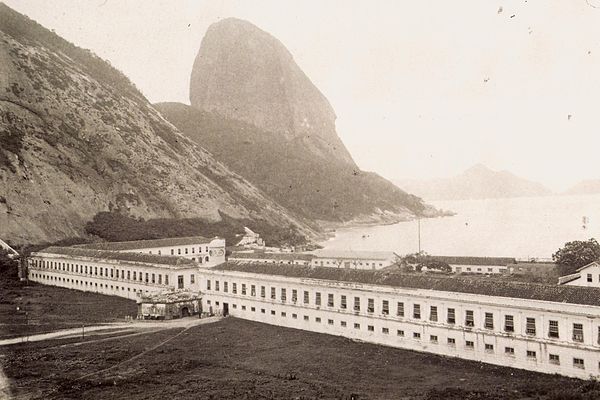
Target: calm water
521,227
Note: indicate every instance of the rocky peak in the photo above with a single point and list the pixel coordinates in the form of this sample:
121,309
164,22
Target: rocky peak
243,73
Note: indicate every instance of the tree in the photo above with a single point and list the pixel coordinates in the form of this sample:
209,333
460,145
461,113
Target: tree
8,265
578,253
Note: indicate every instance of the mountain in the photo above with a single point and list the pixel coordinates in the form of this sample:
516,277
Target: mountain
77,138
254,108
477,182
591,186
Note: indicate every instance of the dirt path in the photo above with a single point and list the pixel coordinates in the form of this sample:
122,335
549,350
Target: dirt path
123,328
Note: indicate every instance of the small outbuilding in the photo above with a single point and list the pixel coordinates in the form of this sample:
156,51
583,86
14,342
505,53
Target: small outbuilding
169,305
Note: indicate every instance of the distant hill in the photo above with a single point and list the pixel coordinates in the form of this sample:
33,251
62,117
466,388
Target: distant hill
260,115
77,138
591,186
478,182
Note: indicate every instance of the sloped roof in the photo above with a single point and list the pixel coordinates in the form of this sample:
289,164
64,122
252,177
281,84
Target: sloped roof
355,255
593,263
113,255
519,290
146,244
272,256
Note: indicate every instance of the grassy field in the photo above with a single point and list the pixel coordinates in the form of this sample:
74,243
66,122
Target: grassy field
49,308
238,359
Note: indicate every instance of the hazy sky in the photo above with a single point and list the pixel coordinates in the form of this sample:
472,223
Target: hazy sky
421,88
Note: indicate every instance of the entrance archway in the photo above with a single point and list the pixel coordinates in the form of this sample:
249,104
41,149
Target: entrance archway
185,312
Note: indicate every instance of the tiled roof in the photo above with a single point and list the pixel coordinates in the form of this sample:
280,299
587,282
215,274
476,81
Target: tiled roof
146,244
271,256
170,296
113,255
355,255
519,290
488,261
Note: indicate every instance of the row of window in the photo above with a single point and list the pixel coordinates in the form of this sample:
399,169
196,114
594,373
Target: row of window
106,272
85,284
469,344
185,251
507,325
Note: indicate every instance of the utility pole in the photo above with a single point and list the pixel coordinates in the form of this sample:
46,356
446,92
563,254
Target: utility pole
419,232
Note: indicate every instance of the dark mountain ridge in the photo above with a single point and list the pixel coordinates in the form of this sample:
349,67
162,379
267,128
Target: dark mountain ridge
254,108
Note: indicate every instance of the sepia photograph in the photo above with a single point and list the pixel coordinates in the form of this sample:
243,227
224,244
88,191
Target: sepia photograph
300,199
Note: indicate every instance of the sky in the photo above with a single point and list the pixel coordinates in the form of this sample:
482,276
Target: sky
421,89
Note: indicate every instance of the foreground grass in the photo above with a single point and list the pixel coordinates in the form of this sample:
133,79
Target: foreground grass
237,359
50,308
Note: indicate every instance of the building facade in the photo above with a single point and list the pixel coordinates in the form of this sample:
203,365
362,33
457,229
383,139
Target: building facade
368,260
588,275
126,275
202,250
543,336
272,258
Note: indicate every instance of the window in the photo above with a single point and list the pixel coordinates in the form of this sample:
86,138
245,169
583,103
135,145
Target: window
469,319
243,289
295,316
225,285
433,338
509,323
489,347
262,292
599,335
554,359
330,300
433,315
578,332
370,305
329,322
272,312
578,363
356,326
234,288
166,279
178,251
451,341
531,354
489,320
306,317
343,324
343,302
294,295
172,252
160,279
400,332
400,311
530,326
318,298
385,307
451,316
357,304
305,297
553,329
180,282
509,351
370,328
469,344
217,286
417,311
253,290
589,277
273,296
416,335
283,294
385,331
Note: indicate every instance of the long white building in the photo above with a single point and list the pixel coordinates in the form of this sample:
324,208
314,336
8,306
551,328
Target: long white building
541,328
544,328
122,274
196,248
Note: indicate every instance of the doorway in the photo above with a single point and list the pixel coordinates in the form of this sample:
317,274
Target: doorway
185,312
225,309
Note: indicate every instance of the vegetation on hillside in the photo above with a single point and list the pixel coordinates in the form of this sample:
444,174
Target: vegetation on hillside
8,265
576,254
313,187
115,227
